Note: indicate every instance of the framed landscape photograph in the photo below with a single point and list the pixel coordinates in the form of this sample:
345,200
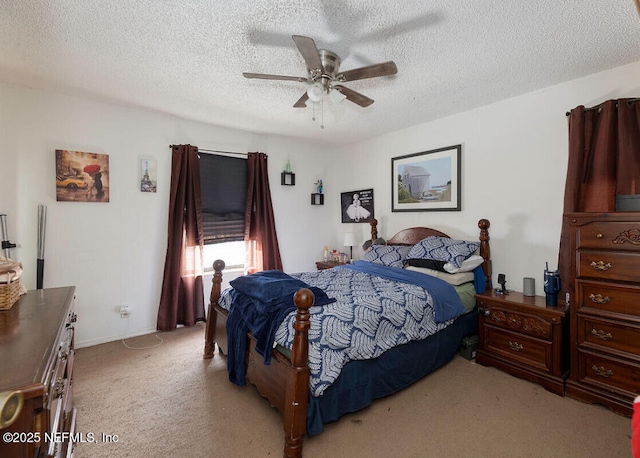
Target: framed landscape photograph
357,206
427,181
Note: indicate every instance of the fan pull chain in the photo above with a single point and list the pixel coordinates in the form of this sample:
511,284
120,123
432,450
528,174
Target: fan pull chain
322,113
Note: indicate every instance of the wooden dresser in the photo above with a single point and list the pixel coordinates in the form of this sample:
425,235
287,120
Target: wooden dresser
605,308
525,337
36,358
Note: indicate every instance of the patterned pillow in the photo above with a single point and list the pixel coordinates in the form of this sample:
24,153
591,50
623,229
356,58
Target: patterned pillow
387,255
443,249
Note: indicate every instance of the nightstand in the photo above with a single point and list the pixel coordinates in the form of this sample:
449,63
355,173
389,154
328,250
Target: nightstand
524,337
321,265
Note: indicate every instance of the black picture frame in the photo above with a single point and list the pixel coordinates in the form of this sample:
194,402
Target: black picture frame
357,209
427,181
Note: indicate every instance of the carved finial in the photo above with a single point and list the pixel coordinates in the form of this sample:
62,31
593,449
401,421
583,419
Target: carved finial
218,265
303,298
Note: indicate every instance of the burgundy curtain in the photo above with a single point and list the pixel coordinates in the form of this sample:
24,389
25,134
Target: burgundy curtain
604,159
261,240
181,300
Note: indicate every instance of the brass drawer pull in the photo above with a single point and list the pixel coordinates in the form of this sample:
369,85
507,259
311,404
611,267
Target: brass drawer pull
601,371
599,236
515,346
601,334
599,298
600,265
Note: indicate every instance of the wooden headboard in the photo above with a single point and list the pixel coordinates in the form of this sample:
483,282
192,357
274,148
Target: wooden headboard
413,235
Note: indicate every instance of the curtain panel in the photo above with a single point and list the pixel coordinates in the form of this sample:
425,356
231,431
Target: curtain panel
604,160
181,300
261,240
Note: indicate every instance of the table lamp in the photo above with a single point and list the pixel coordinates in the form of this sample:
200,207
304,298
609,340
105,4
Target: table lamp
350,241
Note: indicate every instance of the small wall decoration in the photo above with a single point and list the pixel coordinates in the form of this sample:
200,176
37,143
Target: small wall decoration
81,176
148,175
427,181
357,206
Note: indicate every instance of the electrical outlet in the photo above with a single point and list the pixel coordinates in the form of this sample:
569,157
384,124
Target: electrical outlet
124,311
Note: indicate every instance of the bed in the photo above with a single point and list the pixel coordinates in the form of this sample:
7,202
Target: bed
308,400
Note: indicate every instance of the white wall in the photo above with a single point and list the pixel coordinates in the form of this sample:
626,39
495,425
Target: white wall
114,252
514,167
514,160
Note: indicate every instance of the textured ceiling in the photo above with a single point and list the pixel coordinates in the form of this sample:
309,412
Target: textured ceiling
186,57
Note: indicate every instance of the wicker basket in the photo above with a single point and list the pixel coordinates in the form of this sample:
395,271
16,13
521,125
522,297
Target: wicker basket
9,294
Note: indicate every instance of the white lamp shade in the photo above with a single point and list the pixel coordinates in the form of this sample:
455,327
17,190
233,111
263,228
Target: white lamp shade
311,104
315,93
336,96
350,239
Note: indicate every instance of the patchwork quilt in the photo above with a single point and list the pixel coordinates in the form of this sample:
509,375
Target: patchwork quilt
376,308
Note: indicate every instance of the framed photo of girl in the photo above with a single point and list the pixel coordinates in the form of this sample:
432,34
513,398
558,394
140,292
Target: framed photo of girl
357,206
427,181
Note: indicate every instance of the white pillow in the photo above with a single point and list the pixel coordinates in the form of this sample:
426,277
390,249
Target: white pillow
452,279
465,266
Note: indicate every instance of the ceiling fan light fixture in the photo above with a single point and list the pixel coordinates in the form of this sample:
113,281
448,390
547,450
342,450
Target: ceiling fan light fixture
336,96
315,92
311,104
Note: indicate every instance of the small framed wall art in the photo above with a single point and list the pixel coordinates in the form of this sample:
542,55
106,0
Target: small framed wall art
82,176
148,175
357,206
427,181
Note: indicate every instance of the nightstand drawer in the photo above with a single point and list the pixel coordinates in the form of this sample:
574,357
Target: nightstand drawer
608,297
534,353
608,265
613,372
525,323
603,335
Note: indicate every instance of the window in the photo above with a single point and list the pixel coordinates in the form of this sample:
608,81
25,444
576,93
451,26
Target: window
223,184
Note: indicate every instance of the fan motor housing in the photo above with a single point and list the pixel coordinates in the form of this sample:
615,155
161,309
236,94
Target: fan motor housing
330,62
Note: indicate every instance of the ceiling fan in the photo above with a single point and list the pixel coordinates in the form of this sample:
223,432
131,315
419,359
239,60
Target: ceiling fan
324,72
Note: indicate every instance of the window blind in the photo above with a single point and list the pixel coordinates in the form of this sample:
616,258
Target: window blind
223,184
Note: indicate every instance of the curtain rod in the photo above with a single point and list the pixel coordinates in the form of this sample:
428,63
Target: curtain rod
597,107
216,151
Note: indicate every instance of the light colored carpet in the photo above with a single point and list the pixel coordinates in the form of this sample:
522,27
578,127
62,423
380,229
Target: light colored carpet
169,402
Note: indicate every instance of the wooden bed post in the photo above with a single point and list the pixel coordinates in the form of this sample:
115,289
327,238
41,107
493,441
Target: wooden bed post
209,337
374,229
297,390
485,251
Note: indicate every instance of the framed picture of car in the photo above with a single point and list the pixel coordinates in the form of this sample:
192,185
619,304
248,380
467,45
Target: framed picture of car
82,176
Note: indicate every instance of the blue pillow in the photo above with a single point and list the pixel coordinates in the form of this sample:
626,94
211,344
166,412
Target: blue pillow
387,255
443,249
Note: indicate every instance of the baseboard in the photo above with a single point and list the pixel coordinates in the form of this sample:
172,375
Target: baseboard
102,340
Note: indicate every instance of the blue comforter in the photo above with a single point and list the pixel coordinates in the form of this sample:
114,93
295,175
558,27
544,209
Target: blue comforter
375,308
261,301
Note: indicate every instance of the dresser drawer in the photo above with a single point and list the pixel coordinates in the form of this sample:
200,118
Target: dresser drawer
523,322
608,297
610,236
531,352
609,372
603,335
608,265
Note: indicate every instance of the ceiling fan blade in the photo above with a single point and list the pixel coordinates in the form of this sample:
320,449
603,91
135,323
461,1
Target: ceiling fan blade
371,71
262,76
354,96
301,101
309,51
